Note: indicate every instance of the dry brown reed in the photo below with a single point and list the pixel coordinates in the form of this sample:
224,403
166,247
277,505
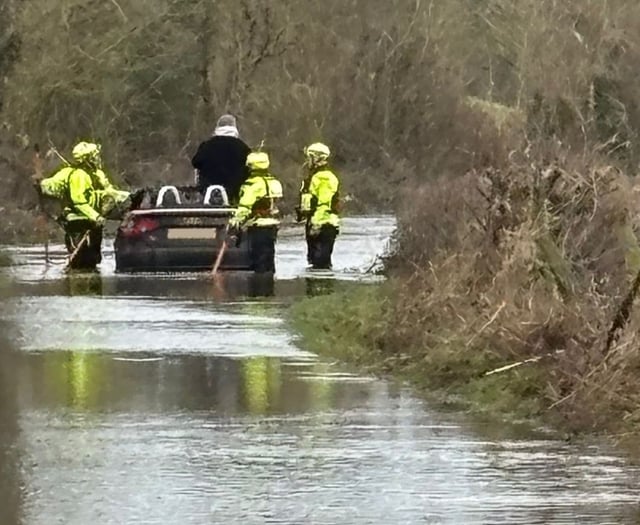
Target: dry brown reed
533,261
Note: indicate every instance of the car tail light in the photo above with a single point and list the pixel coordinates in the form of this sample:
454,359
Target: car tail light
136,226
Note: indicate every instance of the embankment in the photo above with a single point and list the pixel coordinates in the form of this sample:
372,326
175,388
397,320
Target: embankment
537,266
354,325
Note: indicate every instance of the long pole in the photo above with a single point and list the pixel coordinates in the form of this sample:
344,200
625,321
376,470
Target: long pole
84,239
220,255
37,167
53,149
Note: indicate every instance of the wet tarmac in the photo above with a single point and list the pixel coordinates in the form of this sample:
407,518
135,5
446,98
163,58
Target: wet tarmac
166,399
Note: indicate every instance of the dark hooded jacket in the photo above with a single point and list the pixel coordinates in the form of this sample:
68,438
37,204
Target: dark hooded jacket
221,160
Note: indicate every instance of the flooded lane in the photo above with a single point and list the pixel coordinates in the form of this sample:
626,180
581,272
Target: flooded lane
168,400
360,243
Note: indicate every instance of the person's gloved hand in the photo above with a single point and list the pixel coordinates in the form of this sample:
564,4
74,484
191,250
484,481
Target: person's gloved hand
107,205
234,224
233,231
233,236
100,222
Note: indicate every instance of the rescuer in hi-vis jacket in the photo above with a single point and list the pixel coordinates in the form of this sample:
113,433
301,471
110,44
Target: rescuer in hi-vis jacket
257,212
87,196
319,194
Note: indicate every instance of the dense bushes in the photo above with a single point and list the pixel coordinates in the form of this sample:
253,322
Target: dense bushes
531,253
397,87
530,263
151,81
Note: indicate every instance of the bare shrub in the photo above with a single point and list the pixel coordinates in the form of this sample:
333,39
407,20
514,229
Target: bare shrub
528,261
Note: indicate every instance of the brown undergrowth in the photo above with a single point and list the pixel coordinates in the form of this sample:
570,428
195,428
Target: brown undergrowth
537,262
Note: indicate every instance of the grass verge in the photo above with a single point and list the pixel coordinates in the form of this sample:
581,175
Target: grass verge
353,326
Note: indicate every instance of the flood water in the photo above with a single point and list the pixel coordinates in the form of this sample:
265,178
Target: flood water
170,400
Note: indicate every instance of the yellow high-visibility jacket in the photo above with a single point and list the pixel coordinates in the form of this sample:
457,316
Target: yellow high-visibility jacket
103,182
319,198
83,200
81,193
258,200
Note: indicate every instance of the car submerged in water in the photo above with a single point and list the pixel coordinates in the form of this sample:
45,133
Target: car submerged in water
178,229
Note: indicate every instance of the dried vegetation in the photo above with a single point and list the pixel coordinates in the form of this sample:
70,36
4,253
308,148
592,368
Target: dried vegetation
535,263
520,274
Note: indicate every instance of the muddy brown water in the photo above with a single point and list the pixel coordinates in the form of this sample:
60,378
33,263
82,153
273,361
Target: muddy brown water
167,400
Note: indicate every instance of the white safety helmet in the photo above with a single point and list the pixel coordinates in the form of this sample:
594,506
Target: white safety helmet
317,154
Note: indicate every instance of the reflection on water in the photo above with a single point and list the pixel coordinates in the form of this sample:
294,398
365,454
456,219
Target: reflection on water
223,287
178,399
250,441
10,444
89,283
93,382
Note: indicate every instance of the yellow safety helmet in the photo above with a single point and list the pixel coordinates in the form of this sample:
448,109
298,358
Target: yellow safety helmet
86,151
317,153
258,160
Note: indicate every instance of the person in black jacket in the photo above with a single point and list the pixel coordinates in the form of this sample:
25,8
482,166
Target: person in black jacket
222,159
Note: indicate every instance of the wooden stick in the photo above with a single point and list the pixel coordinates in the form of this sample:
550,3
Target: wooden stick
519,363
37,168
223,249
84,239
493,318
622,315
514,365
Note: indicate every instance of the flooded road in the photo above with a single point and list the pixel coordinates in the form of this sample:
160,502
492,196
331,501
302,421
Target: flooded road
168,400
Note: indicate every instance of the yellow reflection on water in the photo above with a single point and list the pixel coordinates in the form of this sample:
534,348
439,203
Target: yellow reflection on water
79,379
320,391
262,382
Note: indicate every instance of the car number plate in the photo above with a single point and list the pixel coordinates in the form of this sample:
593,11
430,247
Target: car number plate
191,221
191,233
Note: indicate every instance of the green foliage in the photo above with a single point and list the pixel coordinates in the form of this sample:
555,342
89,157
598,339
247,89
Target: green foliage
401,91
347,325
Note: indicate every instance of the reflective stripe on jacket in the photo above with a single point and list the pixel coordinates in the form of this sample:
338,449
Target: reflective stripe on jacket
258,196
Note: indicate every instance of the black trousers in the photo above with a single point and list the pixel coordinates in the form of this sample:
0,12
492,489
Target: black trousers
320,246
262,248
90,254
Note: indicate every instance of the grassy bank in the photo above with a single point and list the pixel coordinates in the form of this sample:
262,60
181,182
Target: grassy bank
354,326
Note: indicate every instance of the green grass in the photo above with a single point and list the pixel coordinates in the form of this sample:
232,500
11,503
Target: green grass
354,326
343,325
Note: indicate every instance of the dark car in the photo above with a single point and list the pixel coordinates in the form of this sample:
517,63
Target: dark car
178,229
